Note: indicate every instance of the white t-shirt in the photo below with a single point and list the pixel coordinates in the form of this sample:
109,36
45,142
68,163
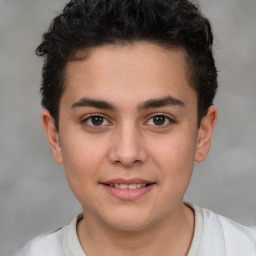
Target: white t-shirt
214,235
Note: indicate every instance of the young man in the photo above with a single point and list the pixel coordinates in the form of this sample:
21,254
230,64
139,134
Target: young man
127,91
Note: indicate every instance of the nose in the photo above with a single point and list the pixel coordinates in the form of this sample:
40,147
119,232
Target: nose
127,147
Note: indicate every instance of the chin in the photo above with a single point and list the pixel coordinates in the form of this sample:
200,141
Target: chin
130,221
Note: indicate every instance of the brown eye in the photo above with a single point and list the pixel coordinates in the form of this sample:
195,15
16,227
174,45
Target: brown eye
159,120
97,120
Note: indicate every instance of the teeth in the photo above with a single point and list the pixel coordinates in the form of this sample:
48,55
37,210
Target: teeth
127,186
140,185
123,186
132,186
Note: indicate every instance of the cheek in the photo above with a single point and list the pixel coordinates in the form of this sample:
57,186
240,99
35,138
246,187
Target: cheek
82,160
175,158
175,149
82,157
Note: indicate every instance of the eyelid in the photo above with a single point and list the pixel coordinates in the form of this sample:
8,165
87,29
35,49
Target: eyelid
87,117
168,117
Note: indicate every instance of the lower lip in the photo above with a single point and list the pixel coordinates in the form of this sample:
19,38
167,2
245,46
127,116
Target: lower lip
128,194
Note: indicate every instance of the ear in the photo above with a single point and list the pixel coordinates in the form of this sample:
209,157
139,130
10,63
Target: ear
52,135
205,134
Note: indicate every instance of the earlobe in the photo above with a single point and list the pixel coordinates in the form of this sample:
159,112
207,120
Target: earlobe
52,135
205,134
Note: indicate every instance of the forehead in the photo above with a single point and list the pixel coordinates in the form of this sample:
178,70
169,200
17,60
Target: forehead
139,70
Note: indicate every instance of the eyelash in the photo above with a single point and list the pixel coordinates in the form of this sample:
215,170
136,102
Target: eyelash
93,126
166,119
89,118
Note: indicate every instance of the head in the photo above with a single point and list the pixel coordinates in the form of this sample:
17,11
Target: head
127,91
85,24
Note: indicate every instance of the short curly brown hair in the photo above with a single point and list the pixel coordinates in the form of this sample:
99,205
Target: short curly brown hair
85,24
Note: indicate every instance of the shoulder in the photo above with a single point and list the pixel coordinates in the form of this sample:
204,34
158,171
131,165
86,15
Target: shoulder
44,245
234,238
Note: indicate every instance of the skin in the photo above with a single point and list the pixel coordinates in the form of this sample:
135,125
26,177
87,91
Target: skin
129,143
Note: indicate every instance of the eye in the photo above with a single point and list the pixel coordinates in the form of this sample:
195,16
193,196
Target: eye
160,120
95,121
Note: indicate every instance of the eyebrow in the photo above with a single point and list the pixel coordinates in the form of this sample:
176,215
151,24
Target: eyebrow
151,103
86,102
166,101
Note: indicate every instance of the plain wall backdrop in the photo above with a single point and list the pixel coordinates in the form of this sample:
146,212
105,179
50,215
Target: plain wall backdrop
34,195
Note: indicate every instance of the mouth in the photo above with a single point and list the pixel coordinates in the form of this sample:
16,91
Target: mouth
128,186
128,189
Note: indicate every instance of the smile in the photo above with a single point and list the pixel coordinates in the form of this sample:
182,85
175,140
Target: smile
127,186
128,189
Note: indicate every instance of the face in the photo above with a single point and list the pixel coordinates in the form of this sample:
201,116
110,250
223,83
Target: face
128,134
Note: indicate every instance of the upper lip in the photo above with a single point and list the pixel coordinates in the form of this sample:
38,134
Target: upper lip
127,181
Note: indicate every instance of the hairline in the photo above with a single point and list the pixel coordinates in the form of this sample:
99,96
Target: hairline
84,53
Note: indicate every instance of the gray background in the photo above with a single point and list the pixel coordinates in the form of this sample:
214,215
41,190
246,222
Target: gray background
34,195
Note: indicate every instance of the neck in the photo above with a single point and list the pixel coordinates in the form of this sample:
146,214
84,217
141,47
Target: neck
170,236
